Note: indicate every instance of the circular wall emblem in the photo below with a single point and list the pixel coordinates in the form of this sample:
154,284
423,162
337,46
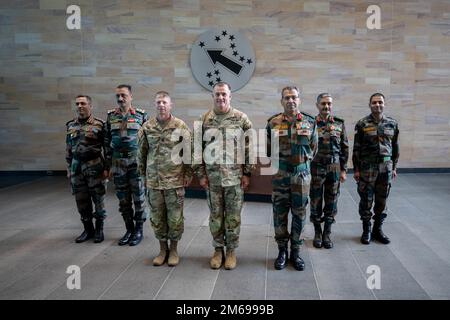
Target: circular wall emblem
222,55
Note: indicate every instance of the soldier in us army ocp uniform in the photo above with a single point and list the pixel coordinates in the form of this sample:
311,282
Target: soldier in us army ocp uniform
164,160
375,157
297,136
86,167
225,178
328,170
122,126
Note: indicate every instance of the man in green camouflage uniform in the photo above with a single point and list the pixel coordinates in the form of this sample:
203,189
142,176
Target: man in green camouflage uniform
86,168
297,136
166,175
375,157
328,170
223,176
123,124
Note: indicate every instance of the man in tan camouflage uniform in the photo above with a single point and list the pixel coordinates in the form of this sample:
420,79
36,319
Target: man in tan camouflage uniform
223,175
297,136
328,170
86,168
165,174
375,157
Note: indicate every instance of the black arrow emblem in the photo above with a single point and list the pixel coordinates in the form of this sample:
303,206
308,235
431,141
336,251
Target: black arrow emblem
216,56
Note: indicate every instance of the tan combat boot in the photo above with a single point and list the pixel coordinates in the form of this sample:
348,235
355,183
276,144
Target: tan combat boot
163,253
217,259
230,261
173,255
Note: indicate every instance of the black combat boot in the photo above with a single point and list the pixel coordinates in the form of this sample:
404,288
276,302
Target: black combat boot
377,232
137,235
365,237
282,260
88,232
326,241
296,260
317,242
98,237
129,224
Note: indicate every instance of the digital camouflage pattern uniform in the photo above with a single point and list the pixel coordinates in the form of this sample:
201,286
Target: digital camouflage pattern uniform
164,178
330,160
85,145
122,140
290,185
375,155
225,196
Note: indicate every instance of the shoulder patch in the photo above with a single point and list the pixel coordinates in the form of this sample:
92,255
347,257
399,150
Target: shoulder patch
100,120
338,119
308,115
391,119
274,116
238,113
206,116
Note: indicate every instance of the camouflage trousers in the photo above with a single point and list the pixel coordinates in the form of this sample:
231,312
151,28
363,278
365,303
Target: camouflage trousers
89,188
129,189
225,205
290,193
324,191
166,213
374,185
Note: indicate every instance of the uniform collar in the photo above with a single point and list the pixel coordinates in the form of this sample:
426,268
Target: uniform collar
89,120
132,110
319,119
383,117
226,114
297,117
167,122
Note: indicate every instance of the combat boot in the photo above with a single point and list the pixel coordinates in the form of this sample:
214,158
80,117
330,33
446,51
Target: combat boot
317,242
230,260
296,260
163,254
99,237
88,232
365,237
173,254
217,259
282,260
137,235
326,241
129,224
378,234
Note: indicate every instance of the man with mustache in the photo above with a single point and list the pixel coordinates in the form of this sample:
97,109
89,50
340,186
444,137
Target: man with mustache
123,124
86,168
328,170
297,135
375,157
